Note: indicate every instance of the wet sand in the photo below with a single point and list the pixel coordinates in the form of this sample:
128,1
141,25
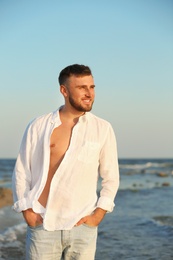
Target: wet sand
6,197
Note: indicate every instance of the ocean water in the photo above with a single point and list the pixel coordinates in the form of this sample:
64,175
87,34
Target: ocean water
139,228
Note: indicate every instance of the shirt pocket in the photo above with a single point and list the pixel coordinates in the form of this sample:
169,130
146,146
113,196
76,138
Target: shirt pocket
89,152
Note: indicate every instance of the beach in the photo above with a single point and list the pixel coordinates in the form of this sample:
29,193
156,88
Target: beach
139,228
6,198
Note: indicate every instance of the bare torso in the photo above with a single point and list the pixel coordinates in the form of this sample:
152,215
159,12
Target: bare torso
59,143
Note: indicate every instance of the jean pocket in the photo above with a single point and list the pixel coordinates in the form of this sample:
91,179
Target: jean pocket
88,226
40,226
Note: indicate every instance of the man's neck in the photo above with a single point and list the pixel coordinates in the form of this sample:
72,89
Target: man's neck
71,116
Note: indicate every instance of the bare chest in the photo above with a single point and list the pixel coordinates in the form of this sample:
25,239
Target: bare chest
59,143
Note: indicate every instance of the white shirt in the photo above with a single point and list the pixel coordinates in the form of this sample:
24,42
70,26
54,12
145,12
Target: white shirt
73,192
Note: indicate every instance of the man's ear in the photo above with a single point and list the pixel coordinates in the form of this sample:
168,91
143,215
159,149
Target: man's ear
64,91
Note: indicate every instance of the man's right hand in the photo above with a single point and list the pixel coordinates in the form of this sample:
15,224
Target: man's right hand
32,219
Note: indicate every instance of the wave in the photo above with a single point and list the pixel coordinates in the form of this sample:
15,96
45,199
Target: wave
164,220
12,242
145,166
138,166
11,233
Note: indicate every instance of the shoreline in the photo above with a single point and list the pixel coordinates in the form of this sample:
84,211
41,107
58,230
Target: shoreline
6,197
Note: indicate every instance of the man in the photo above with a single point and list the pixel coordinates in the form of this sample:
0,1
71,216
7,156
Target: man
56,173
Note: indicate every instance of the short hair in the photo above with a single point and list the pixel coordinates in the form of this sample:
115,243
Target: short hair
75,69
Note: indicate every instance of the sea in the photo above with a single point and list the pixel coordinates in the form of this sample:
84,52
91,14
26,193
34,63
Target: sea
139,228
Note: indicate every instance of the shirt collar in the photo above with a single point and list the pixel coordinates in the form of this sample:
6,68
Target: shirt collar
84,117
56,116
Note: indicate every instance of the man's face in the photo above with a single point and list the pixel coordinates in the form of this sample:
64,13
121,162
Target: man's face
81,92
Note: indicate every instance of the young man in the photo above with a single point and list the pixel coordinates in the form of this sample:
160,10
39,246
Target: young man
56,173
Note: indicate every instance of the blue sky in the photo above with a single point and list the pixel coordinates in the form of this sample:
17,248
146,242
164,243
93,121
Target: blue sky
128,44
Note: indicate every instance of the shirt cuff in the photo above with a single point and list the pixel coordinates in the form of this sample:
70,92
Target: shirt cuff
105,203
21,205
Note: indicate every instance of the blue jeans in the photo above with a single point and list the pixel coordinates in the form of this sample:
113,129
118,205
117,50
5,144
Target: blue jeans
79,243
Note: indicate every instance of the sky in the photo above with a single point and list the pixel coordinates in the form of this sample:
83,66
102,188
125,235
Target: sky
128,44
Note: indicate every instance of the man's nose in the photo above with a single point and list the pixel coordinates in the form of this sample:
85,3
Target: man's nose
87,92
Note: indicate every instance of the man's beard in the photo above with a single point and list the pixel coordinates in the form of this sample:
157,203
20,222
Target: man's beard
78,106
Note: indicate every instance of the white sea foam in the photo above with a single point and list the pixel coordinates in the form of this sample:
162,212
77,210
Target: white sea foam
12,240
140,166
11,233
12,226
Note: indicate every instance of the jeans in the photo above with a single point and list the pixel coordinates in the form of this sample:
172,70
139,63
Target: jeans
79,243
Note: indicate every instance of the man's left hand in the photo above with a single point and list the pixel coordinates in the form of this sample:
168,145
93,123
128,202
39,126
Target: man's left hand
94,219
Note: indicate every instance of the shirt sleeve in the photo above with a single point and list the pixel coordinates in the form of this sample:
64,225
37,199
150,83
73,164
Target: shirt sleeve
109,172
21,178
